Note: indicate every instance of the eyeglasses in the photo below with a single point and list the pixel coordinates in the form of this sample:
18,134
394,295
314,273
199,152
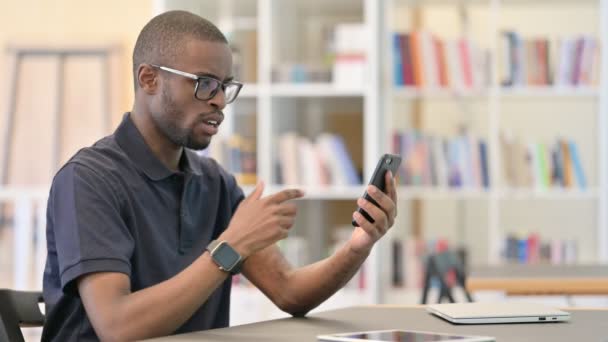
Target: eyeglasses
207,87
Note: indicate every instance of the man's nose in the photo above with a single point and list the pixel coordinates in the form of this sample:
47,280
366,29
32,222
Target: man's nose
219,100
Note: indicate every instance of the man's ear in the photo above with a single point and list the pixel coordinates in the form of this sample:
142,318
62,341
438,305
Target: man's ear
147,78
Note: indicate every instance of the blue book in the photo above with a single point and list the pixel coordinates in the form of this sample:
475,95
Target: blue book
397,60
348,167
578,167
522,250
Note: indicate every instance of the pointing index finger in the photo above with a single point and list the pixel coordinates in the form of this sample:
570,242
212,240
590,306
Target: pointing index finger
285,195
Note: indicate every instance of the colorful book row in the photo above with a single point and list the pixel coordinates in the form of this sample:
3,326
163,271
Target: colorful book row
531,249
421,59
456,162
542,166
569,61
237,154
323,162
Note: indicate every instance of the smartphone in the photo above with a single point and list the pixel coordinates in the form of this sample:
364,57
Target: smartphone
388,162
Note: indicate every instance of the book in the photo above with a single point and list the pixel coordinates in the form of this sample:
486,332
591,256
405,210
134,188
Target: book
541,61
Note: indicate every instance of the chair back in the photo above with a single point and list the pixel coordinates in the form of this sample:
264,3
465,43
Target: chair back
438,266
17,309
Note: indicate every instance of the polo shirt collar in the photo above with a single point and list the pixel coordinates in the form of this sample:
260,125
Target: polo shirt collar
132,142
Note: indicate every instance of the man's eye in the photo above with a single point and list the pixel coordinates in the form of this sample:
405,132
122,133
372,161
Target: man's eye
206,83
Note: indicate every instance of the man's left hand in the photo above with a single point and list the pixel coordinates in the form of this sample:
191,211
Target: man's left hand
364,236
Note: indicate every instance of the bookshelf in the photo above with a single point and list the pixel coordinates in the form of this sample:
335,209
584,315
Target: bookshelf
293,90
539,114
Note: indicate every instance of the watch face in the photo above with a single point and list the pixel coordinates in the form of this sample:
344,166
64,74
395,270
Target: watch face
226,256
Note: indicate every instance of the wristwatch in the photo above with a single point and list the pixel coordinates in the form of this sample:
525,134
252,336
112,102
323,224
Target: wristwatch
225,256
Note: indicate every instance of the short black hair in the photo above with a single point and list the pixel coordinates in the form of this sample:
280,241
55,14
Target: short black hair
163,37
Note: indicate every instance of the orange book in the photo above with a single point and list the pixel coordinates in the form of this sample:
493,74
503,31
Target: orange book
568,171
531,68
416,53
441,63
543,61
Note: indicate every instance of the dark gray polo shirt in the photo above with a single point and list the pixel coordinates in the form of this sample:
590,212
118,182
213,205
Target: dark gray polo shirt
114,207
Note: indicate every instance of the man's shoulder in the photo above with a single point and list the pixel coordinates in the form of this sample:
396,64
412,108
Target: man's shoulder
103,158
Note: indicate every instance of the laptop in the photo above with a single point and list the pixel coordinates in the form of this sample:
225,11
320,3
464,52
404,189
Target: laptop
502,312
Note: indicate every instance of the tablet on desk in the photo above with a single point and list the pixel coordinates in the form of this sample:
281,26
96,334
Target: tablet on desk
402,335
502,312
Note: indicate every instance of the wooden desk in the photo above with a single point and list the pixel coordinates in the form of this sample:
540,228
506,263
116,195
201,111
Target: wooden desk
585,325
540,279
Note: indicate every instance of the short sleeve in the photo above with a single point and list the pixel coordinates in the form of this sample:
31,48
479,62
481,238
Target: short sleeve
236,193
85,218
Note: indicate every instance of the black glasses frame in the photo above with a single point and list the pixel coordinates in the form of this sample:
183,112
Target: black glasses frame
198,79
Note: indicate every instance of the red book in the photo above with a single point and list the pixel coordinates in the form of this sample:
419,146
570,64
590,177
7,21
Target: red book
540,62
533,249
406,60
465,60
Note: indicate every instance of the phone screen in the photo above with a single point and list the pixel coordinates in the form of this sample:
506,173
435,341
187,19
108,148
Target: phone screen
388,162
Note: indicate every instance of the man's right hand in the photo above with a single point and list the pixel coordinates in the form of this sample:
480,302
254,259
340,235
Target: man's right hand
260,222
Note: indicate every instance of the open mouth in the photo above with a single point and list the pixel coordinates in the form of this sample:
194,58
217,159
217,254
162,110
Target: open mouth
212,123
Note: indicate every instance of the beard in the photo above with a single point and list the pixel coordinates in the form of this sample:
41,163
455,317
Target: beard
167,121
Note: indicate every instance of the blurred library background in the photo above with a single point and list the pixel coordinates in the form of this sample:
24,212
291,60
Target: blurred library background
499,109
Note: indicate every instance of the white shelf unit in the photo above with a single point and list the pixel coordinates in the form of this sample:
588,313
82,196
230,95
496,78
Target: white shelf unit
280,106
488,111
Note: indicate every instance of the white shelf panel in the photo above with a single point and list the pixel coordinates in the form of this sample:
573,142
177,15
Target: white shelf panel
315,193
313,90
523,92
327,193
557,194
409,192
439,93
503,92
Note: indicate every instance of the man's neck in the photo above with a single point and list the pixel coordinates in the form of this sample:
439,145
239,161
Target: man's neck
166,151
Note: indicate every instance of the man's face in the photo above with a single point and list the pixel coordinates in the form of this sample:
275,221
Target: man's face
179,115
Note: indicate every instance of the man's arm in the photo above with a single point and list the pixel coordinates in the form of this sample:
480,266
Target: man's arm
298,291
117,314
